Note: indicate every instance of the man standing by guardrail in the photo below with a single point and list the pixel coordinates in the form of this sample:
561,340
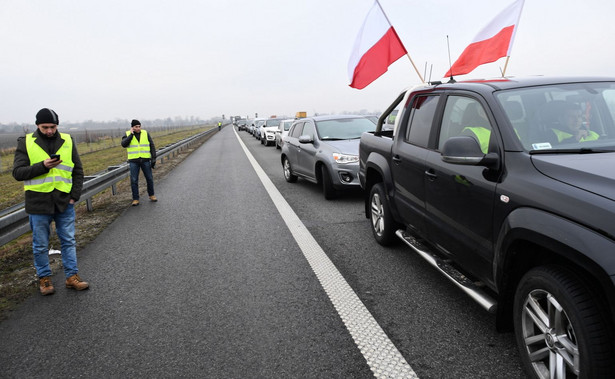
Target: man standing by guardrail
49,165
141,156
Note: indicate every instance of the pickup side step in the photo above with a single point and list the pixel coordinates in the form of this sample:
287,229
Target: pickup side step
471,289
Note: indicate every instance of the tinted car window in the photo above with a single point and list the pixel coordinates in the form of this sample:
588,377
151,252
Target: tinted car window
421,117
308,130
464,116
296,130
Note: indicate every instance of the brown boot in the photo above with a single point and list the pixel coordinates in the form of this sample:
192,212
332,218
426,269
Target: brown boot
135,203
76,283
45,286
153,198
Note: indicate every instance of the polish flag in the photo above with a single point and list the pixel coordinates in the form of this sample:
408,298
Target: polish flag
492,43
377,46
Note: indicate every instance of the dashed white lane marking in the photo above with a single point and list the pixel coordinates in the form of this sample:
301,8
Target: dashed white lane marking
381,355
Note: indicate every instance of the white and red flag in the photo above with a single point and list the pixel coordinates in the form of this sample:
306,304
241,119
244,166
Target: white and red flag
377,46
492,43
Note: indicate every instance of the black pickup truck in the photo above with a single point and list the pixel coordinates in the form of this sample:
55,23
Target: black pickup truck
507,187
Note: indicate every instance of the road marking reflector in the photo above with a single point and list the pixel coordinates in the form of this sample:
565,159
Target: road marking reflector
381,355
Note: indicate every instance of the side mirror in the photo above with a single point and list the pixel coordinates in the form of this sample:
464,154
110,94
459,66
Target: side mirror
465,150
306,139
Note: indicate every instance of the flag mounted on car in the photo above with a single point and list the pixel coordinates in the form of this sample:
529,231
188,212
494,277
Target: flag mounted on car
377,46
490,44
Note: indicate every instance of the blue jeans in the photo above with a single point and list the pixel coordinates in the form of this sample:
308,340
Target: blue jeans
65,228
146,166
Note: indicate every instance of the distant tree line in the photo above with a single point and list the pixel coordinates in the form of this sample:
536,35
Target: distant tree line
116,124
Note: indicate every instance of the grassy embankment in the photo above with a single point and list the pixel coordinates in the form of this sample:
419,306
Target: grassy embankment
17,275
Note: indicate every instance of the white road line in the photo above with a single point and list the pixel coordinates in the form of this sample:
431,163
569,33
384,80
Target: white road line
381,355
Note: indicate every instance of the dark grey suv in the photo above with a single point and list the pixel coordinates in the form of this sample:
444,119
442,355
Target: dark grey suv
325,150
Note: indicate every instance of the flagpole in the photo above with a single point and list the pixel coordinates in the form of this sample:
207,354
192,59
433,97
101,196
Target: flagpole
407,54
505,65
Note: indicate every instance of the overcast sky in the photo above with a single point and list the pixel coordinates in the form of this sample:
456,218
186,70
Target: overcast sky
148,59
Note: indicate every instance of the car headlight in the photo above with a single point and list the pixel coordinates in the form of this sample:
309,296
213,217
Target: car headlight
345,158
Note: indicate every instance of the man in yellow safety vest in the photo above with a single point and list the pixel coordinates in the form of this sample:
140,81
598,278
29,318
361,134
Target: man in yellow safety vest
141,157
49,165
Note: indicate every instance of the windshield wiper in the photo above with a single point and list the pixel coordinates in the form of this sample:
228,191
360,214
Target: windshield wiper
583,150
332,139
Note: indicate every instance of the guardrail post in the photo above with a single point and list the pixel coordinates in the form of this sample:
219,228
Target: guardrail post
88,204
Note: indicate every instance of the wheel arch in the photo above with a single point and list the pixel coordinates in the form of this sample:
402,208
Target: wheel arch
377,170
530,238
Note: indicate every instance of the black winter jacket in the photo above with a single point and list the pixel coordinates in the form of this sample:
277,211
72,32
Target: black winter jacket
54,201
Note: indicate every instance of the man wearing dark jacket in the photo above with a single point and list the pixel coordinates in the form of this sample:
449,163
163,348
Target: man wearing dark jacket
141,157
49,165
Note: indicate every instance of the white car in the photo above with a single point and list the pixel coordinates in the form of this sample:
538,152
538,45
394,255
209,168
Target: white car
256,124
267,131
282,132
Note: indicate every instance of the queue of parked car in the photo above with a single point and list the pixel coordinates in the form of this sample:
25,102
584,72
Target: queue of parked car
505,187
320,149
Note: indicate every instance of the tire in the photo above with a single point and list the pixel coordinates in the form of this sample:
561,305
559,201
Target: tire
288,171
262,142
382,224
561,326
327,184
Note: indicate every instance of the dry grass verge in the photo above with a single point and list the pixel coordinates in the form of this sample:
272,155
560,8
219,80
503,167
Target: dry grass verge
18,279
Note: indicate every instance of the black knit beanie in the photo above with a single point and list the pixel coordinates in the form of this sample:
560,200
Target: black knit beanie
135,123
47,116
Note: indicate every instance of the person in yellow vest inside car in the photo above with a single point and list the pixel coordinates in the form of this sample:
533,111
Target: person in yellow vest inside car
49,165
141,157
570,126
476,125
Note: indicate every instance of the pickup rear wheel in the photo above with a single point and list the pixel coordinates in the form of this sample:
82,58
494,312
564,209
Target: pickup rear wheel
561,328
288,171
383,226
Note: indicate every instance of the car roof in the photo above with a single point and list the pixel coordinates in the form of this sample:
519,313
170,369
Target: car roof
497,84
330,117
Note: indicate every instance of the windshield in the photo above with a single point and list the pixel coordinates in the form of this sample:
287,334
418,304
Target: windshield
564,117
273,122
344,128
286,124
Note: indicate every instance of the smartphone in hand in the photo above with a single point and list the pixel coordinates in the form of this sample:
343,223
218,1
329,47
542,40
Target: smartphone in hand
54,156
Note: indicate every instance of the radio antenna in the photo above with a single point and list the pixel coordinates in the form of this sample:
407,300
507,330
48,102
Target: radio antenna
450,65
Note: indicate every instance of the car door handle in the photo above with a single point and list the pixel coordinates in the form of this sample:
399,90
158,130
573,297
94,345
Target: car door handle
431,175
396,159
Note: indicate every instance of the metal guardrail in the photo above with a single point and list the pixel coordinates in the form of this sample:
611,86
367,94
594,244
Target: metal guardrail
14,220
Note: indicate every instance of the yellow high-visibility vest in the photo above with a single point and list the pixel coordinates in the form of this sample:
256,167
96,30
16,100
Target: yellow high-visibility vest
482,135
138,149
561,135
59,177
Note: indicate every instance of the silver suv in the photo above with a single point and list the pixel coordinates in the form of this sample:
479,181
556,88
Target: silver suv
325,150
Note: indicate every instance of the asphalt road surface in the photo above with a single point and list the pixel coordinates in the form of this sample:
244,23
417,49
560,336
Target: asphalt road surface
235,273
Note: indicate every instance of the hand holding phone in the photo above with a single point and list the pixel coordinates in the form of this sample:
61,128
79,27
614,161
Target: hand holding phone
53,161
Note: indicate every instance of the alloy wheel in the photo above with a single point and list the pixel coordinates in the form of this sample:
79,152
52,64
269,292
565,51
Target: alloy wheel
550,340
377,214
